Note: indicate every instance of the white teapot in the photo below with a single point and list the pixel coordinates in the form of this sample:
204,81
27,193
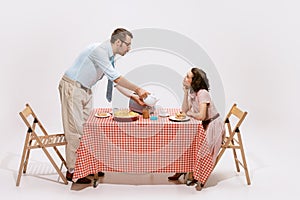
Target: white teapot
151,100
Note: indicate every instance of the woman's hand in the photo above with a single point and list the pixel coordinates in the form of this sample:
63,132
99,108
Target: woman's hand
190,113
193,115
186,85
201,115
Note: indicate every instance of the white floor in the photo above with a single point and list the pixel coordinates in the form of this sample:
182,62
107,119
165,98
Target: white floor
273,164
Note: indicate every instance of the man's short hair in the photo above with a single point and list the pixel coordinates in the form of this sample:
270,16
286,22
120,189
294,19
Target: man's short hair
120,33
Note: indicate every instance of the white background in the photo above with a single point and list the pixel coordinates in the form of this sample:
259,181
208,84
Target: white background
253,44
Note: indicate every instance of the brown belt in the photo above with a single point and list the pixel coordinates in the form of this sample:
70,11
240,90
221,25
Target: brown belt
87,90
205,123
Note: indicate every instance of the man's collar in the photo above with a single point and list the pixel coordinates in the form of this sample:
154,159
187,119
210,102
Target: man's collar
108,46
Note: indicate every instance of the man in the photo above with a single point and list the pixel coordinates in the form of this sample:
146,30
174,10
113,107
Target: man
75,86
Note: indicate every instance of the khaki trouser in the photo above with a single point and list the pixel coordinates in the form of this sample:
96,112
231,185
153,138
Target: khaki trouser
76,105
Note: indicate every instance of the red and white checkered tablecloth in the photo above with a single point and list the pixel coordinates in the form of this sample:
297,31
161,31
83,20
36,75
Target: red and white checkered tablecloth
143,146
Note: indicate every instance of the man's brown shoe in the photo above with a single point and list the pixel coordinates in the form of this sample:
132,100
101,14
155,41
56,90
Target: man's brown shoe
100,174
69,176
83,180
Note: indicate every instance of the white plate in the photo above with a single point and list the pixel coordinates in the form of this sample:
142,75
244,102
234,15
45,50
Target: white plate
102,116
173,118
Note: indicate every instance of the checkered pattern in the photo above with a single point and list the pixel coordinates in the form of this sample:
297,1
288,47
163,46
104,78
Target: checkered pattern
143,146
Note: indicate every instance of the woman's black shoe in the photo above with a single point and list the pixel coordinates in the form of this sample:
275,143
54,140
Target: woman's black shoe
176,176
191,182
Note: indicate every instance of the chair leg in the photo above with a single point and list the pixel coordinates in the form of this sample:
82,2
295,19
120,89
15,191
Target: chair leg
26,161
60,156
244,160
27,155
20,169
219,156
221,152
55,166
23,162
235,157
60,169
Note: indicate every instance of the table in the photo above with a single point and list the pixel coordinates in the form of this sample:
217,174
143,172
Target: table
143,146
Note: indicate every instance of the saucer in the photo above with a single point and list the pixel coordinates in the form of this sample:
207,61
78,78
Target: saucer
164,114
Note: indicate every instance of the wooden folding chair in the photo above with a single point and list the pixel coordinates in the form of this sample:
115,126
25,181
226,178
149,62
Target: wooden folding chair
233,139
38,138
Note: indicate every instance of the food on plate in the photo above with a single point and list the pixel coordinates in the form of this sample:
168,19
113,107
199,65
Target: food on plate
125,113
180,115
102,114
133,114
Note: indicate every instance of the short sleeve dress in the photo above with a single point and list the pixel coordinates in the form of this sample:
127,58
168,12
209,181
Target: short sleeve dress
216,128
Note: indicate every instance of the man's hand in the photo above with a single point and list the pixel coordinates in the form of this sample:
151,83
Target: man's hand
142,93
138,100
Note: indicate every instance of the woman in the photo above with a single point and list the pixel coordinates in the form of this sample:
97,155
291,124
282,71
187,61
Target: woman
197,103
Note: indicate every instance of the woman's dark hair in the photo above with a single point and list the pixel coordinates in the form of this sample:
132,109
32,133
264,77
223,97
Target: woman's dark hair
120,33
199,80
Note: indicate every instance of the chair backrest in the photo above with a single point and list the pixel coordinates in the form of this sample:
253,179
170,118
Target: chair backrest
31,120
234,119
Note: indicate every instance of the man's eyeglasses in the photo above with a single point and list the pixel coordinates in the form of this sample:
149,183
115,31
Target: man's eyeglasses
127,44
